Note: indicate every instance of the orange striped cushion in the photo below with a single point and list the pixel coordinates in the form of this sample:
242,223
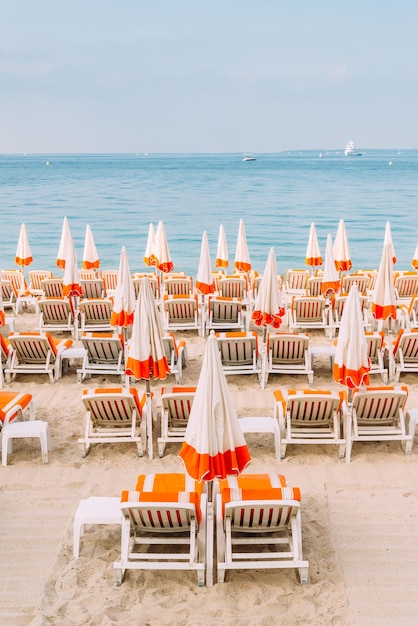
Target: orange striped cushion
239,495
11,399
382,388
3,346
178,390
253,481
105,336
170,482
186,497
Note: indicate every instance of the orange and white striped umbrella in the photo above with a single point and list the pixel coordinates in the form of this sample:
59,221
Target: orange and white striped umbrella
222,259
64,244
242,256
214,445
124,301
90,256
414,262
23,252
204,278
164,262
313,253
331,279
268,307
383,305
388,239
71,280
342,256
351,361
149,257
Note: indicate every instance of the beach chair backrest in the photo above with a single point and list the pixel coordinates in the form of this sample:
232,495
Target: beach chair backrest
110,279
406,285
225,310
35,279
153,282
314,286
309,308
288,348
361,280
7,293
16,279
96,311
103,349
92,288
237,350
52,287
296,280
178,406
233,287
374,346
32,349
181,309
312,410
111,410
161,517
90,274
178,286
55,311
378,407
408,346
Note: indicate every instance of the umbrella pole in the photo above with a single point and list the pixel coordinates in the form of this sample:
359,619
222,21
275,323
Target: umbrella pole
149,418
264,357
209,536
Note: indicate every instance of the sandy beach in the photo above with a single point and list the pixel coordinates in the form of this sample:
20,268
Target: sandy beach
359,522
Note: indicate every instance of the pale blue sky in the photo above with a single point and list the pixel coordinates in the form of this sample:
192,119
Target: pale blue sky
194,76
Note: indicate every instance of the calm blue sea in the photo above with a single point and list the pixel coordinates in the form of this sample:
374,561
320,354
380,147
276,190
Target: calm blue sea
277,196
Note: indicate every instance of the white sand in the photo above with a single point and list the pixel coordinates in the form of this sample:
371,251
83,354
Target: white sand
360,530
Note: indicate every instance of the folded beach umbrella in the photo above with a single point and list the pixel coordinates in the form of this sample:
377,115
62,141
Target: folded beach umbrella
71,280
150,258
90,256
415,259
342,256
204,278
2,316
351,361
331,279
242,257
268,307
313,253
23,252
388,239
222,259
164,262
146,354
383,305
64,244
124,302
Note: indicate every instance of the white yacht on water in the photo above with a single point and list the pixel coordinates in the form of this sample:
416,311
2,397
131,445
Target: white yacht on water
350,149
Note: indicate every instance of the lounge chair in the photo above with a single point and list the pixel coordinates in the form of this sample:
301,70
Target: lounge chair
110,280
163,531
90,274
35,282
309,312
225,313
403,356
104,355
337,308
178,286
288,353
56,314
378,414
176,354
296,283
94,315
8,295
114,415
406,286
52,287
376,349
153,282
175,410
265,524
311,417
233,287
361,280
181,313
92,288
314,286
20,288
35,353
239,353
409,314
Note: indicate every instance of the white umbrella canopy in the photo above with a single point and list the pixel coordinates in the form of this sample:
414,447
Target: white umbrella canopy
164,262
71,280
146,354
23,252
383,305
313,253
150,250
388,239
204,278
342,257
222,259
90,255
268,307
64,246
331,279
351,361
242,257
124,301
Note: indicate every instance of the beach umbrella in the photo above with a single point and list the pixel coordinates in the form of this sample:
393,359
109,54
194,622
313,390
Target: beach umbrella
342,256
415,259
64,244
351,361
164,262
124,301
214,445
222,260
388,239
146,355
71,280
331,279
90,256
242,257
204,278
313,253
149,257
23,252
383,304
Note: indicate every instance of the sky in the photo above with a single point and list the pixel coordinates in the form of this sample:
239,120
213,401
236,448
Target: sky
217,76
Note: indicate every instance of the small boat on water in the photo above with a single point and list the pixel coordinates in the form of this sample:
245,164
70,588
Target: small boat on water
350,149
248,158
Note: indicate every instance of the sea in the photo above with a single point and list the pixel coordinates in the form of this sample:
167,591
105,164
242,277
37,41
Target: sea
277,196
